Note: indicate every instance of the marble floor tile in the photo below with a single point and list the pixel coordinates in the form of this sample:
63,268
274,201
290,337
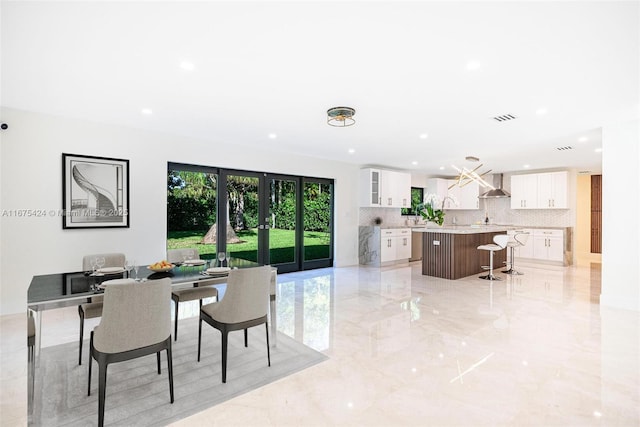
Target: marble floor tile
406,349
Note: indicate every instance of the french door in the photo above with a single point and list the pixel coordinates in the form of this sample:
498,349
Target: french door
282,220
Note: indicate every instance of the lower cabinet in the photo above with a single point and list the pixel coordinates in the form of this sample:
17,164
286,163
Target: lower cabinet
395,244
548,245
542,244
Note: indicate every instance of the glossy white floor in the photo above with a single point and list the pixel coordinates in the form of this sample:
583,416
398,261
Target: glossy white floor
406,349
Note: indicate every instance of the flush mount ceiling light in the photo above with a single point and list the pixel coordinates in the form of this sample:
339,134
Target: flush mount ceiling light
340,116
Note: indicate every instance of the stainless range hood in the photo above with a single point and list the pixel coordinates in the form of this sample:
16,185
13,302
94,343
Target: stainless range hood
496,193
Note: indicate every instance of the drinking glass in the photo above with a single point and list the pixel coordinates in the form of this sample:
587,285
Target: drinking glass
221,258
94,265
128,266
135,270
100,262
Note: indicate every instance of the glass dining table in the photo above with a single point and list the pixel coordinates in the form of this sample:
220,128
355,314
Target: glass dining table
59,290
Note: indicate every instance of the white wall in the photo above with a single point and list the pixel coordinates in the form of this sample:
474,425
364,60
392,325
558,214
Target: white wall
31,178
621,216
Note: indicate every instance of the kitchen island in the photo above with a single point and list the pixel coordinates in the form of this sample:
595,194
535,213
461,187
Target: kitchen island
452,252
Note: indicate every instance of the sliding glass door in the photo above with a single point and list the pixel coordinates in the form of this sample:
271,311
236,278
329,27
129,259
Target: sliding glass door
282,220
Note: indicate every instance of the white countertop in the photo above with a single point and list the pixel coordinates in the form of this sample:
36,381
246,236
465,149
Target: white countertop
463,229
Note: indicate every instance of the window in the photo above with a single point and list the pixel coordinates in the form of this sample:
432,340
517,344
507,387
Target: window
417,194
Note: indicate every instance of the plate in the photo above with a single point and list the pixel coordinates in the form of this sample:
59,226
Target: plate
194,262
110,270
218,270
161,270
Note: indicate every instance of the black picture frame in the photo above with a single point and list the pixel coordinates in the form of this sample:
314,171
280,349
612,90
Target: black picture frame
95,192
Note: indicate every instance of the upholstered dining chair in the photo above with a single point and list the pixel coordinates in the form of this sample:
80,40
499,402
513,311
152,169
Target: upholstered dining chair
179,255
136,322
93,308
196,292
245,304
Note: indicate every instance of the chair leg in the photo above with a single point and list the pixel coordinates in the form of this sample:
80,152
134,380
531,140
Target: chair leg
102,368
175,324
81,315
170,369
158,358
246,338
90,364
199,337
266,325
224,355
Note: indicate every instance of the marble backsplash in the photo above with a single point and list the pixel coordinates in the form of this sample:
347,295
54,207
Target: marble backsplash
498,210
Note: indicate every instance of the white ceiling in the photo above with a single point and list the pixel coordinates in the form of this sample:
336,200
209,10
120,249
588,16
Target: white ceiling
276,67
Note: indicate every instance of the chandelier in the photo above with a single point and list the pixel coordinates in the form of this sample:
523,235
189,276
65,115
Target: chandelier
340,116
465,176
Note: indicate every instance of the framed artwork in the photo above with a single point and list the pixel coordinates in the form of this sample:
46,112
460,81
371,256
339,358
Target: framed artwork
95,192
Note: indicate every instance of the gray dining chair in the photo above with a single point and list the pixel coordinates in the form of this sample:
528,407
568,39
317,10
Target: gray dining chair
93,307
245,304
179,255
196,292
136,322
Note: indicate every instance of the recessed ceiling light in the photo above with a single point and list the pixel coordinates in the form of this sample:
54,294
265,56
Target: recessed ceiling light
541,111
147,111
583,139
424,135
186,65
272,136
598,150
441,168
351,151
526,166
414,163
473,65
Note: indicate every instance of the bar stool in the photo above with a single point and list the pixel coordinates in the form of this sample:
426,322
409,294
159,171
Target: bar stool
519,239
499,243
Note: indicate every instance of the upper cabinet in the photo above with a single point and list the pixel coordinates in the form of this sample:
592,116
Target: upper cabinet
552,190
524,191
370,187
539,191
384,188
466,197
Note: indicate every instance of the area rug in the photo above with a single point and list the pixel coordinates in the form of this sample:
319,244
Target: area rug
138,396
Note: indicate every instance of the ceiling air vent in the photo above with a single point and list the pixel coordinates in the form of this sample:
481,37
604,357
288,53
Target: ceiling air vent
567,147
504,118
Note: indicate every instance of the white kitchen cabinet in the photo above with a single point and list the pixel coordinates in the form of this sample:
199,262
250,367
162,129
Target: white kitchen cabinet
370,187
466,197
540,191
548,245
524,191
437,186
395,244
552,190
384,188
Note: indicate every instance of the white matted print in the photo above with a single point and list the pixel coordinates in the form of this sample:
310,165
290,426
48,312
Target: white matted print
95,192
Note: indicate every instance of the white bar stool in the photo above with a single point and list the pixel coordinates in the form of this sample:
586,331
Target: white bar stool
499,243
519,239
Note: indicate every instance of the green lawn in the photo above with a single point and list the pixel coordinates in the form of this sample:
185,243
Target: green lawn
281,244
